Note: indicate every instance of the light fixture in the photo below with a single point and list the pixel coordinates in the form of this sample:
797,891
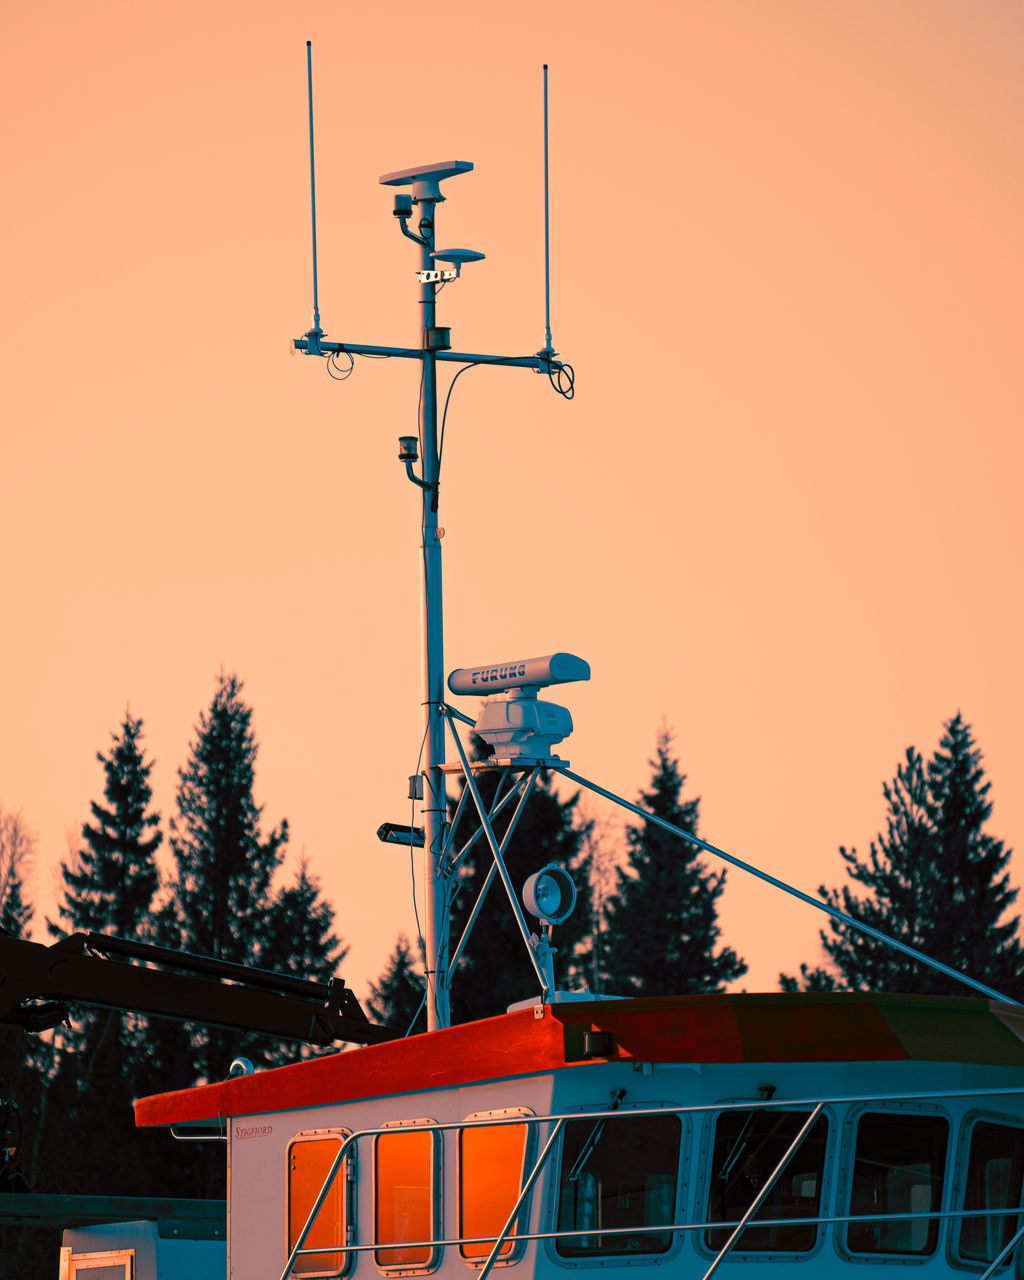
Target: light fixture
549,894
394,833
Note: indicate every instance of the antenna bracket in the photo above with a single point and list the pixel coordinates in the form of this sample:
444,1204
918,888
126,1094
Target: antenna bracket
548,358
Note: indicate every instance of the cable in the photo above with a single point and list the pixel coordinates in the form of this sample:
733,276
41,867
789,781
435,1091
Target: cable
332,364
419,403
415,905
412,860
415,1016
563,381
444,415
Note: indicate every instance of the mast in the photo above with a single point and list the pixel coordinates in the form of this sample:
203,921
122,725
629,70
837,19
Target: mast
435,804
436,266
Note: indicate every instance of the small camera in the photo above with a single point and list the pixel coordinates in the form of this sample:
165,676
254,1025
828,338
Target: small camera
403,207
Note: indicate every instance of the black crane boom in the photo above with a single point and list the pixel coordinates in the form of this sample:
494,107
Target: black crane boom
37,983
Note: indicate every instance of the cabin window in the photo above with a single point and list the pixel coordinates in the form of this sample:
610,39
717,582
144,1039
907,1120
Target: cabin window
747,1148
404,1180
898,1167
995,1171
617,1182
310,1157
491,1163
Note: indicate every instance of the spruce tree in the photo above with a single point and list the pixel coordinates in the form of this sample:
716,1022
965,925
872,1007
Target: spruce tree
935,880
222,901
224,865
662,935
494,969
111,882
396,998
301,938
301,941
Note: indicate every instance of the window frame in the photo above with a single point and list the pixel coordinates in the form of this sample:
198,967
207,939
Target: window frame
1014,1266
706,1162
347,1178
522,1218
845,1193
681,1199
435,1198
74,1264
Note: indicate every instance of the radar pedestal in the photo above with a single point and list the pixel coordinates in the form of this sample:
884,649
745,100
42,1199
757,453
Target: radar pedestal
513,720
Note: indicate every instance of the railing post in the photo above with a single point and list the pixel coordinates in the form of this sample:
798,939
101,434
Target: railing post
759,1199
534,1174
332,1173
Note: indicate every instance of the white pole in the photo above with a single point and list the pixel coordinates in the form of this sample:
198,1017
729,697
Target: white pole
435,802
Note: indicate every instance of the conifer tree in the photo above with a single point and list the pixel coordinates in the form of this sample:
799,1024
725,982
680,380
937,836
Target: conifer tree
935,880
224,865
111,881
222,901
301,938
396,998
662,935
494,969
301,941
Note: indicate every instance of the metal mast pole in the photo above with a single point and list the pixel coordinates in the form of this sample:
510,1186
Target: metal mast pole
435,804
433,346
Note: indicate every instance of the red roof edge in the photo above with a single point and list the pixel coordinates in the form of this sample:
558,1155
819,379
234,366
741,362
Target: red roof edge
804,1027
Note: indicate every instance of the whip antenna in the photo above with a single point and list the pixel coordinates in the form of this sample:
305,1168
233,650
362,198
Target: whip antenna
548,350
316,332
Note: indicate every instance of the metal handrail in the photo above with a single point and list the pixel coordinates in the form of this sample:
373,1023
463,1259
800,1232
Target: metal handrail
664,1228
558,1119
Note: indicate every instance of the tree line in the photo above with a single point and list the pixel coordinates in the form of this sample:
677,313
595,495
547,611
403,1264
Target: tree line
646,924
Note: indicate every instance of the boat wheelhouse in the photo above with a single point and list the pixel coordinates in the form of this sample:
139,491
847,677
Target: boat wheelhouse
820,1131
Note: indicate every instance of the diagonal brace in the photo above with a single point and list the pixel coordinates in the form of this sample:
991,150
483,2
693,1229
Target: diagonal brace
499,862
500,802
762,1195
526,788
818,905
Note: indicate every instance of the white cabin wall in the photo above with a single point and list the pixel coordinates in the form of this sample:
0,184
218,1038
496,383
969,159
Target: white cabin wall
259,1145
258,1161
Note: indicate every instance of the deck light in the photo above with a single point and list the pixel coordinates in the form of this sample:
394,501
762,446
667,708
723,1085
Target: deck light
549,894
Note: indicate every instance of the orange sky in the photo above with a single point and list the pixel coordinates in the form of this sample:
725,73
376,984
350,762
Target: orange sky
782,512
